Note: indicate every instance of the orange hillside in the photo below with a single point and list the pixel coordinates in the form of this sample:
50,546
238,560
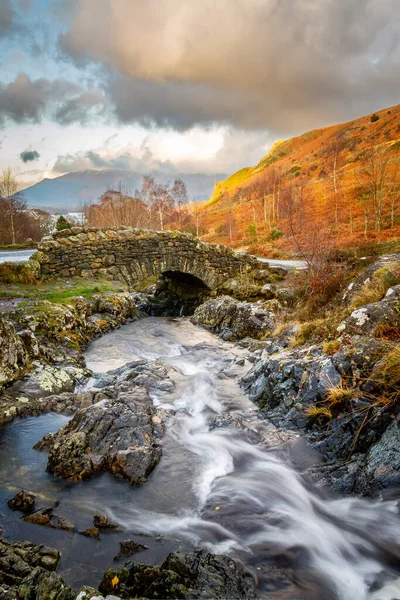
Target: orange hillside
343,180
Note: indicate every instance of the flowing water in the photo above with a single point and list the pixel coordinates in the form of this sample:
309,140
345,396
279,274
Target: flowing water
16,256
226,481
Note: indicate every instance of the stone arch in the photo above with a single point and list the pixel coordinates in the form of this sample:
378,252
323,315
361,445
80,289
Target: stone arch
133,255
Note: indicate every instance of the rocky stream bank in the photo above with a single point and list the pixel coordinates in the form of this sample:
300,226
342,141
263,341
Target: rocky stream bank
339,392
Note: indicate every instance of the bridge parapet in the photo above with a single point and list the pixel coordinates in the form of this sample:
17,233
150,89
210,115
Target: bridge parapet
131,255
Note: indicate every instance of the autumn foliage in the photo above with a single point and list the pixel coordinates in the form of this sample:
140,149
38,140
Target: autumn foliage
337,186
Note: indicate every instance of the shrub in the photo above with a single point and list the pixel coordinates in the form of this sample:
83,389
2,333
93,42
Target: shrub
62,224
275,234
252,231
295,169
374,118
330,347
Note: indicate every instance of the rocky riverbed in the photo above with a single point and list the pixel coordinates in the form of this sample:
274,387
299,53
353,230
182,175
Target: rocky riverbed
178,439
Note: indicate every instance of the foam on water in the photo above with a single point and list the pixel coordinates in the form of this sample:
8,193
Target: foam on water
251,504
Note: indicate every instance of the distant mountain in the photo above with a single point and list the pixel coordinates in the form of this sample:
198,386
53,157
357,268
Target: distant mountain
71,191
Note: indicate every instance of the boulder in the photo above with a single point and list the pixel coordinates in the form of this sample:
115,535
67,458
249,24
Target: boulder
28,571
384,265
194,574
121,437
13,355
46,516
374,319
23,501
129,547
381,468
234,320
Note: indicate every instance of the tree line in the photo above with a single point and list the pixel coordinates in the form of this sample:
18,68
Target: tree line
154,206
18,223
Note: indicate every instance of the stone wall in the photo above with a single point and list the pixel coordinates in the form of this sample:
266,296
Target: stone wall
132,255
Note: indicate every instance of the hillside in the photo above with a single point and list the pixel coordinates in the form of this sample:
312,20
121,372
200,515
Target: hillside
71,191
343,180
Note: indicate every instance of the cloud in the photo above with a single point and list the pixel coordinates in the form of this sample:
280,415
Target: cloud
279,64
29,155
7,18
25,99
140,160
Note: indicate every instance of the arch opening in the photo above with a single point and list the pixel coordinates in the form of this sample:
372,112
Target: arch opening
178,294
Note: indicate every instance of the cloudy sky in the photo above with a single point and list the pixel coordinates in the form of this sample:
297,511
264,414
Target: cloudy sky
184,85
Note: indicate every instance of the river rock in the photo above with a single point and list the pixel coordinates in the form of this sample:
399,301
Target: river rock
234,320
28,571
381,468
103,522
24,406
149,374
194,574
46,516
291,377
23,501
121,437
129,547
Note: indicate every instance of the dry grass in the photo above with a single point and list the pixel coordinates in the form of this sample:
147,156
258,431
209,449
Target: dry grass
387,373
318,413
374,290
339,394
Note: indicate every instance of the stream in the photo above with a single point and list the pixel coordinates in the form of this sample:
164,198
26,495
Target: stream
227,481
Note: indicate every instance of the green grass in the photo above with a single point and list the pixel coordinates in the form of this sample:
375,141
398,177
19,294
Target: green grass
60,290
18,246
83,288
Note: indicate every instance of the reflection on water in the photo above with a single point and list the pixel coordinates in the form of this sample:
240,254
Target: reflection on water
212,487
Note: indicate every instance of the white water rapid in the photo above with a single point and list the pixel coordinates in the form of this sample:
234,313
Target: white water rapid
244,499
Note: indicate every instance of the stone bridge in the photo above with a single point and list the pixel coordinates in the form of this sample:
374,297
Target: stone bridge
133,255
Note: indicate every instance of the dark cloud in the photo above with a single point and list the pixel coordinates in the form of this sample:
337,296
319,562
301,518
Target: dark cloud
7,18
140,160
29,155
25,99
276,64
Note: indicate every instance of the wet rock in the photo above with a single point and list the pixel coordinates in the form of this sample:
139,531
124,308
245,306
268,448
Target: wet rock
103,522
45,516
291,377
23,406
129,547
92,532
194,574
234,320
44,443
23,501
150,375
28,571
116,436
44,380
381,468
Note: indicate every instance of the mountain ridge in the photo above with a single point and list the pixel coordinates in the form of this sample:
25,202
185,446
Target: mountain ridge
75,189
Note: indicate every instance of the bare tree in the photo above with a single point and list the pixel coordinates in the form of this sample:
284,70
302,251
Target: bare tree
9,192
374,180
180,196
162,202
